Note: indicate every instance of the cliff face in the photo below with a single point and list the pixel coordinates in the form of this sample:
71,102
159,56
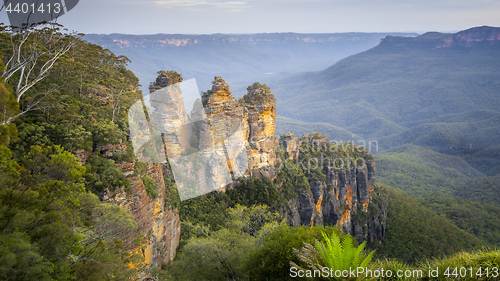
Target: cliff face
342,197
260,113
227,126
252,117
243,132
158,222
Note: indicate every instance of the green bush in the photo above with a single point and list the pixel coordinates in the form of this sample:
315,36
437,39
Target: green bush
335,254
150,186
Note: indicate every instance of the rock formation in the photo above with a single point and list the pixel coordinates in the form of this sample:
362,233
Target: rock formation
260,113
254,115
290,145
343,198
243,132
158,223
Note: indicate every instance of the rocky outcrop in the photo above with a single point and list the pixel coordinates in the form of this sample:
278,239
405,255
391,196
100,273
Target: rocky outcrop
260,114
291,146
228,127
158,223
342,199
252,117
168,105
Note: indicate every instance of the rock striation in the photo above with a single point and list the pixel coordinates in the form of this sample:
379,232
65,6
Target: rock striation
158,223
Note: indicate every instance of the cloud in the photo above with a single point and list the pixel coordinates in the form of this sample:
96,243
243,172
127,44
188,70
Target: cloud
233,6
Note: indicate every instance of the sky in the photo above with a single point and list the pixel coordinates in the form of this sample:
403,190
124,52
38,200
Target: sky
260,16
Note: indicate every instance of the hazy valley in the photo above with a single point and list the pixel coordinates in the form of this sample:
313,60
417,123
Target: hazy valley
241,59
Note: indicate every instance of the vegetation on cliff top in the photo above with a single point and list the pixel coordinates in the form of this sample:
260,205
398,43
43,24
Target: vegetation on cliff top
53,226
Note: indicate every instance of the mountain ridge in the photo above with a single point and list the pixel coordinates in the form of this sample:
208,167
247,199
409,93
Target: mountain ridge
442,98
472,37
183,40
241,59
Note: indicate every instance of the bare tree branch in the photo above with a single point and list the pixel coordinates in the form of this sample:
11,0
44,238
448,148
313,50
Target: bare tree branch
35,51
29,47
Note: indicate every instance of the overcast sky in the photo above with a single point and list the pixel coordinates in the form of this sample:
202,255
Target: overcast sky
256,16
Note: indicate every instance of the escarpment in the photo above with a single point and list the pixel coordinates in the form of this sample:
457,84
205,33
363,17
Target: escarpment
340,182
340,177
157,220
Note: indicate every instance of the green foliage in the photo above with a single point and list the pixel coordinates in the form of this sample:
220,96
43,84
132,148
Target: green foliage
271,261
172,199
318,155
51,227
150,186
140,168
415,232
204,212
335,254
9,108
85,99
446,184
7,134
482,220
107,132
102,174
125,156
221,255
484,190
292,179
45,163
258,93
251,191
173,75
9,169
31,134
418,170
481,259
21,260
258,86
393,265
